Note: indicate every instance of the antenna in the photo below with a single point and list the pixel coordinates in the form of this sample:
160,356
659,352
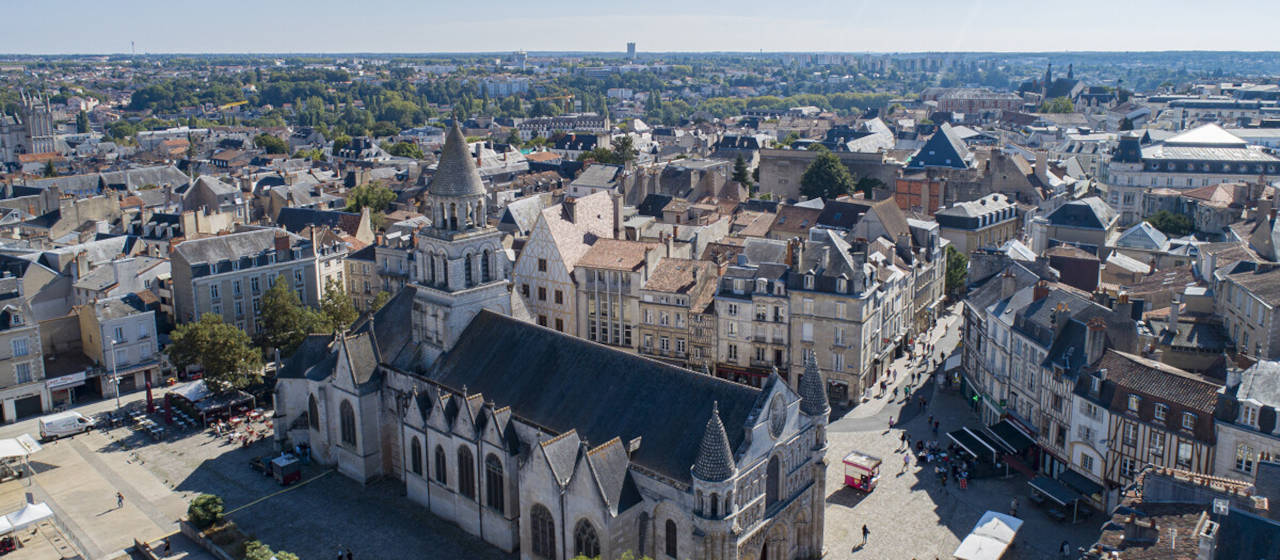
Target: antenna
132,51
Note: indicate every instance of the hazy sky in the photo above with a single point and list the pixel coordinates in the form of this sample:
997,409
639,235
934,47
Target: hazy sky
234,26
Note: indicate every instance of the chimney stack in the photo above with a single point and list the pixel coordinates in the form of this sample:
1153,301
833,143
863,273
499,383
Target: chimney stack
1174,312
1095,340
1041,290
617,216
1008,284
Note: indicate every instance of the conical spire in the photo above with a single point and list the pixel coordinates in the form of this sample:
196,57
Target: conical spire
813,389
715,459
456,175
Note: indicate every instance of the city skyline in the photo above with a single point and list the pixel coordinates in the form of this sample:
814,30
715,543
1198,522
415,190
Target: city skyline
663,26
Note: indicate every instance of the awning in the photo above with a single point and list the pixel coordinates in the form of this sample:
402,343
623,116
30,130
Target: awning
988,441
1079,483
29,515
1011,437
1054,490
990,538
966,442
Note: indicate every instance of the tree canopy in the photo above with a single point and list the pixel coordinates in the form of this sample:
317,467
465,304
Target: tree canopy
826,177
405,149
225,352
741,173
336,307
957,270
82,122
285,320
1057,105
1169,223
374,196
271,144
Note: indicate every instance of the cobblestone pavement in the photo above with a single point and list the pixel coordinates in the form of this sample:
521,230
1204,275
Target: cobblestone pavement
910,514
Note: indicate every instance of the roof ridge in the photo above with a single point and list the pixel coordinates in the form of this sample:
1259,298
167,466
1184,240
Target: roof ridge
553,440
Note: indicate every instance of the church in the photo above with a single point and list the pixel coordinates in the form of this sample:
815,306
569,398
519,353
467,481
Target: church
28,132
545,444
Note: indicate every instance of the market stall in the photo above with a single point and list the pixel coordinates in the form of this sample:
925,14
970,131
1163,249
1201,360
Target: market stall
990,538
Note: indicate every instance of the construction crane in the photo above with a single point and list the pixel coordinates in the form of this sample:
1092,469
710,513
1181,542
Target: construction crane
567,106
226,106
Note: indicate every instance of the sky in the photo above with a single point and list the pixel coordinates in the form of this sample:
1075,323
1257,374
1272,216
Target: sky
426,26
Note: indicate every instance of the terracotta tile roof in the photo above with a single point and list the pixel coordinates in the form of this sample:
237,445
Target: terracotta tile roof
616,254
543,156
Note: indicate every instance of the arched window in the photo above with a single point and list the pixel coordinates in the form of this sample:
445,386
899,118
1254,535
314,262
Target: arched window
772,487
467,263
313,413
348,419
671,537
442,472
466,473
415,462
431,269
494,494
453,216
542,531
644,532
715,505
585,542
484,266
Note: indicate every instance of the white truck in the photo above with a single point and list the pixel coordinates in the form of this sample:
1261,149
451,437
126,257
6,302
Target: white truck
63,424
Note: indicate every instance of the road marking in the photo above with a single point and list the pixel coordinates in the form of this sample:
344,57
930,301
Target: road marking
286,489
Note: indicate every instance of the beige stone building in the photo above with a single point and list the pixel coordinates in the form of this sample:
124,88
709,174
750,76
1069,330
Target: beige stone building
22,388
609,278
986,222
562,234
673,303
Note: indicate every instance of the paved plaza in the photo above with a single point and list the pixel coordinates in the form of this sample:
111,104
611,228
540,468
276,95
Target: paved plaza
910,514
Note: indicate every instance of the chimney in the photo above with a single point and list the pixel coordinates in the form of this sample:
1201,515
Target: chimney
1264,207
671,240
1008,284
1233,379
1095,340
617,216
1174,311
1042,165
1041,291
282,243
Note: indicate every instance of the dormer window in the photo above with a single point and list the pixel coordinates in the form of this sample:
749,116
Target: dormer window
1249,415
1188,421
842,285
808,281
1161,411
15,318
1134,402
762,285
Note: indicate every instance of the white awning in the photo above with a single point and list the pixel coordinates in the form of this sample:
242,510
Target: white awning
20,446
990,537
29,515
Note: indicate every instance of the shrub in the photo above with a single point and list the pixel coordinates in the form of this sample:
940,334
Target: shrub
205,510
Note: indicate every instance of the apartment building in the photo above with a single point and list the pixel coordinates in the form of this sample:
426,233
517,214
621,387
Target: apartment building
609,277
1247,296
1246,428
22,386
673,303
986,222
119,335
227,275
753,314
562,234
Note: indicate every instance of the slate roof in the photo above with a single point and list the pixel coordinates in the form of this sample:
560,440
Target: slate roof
813,390
229,247
567,383
295,220
456,174
943,149
1261,383
522,213
1090,213
1143,236
1158,380
598,176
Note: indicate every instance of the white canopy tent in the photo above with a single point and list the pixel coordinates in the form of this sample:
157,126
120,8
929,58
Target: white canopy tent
990,538
30,514
21,446
5,526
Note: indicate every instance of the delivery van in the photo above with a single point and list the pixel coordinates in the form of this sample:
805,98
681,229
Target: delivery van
63,424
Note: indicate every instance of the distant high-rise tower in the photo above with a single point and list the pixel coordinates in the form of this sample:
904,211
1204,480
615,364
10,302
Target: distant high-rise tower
522,58
631,50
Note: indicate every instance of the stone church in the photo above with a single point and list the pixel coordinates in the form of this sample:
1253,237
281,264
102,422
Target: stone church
28,132
546,444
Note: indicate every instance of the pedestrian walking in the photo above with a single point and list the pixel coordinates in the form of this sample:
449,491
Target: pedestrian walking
340,554
348,554
119,500
1013,507
890,422
906,461
166,546
964,480
930,420
935,427
895,393
1065,549
906,440
865,533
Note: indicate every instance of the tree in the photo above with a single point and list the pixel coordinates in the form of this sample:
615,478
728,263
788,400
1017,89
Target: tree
285,321
82,122
341,141
1057,105
255,550
374,196
336,307
405,149
1126,124
271,144
49,171
957,270
205,510
225,352
380,300
741,173
826,177
1169,223
868,185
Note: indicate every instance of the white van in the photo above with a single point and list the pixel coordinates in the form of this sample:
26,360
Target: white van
64,424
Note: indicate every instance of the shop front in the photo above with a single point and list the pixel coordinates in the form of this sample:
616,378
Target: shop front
63,389
23,401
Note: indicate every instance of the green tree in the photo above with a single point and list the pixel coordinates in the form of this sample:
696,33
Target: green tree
624,149
225,352
82,122
380,300
271,144
868,185
1057,105
826,177
49,170
205,510
741,173
1172,224
285,320
957,270
374,196
341,141
405,149
255,550
336,307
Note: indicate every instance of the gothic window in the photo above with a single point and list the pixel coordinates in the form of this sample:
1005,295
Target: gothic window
442,474
313,413
773,486
644,531
466,473
470,275
542,531
484,266
585,542
431,269
494,491
715,505
671,537
415,449
347,417
453,216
